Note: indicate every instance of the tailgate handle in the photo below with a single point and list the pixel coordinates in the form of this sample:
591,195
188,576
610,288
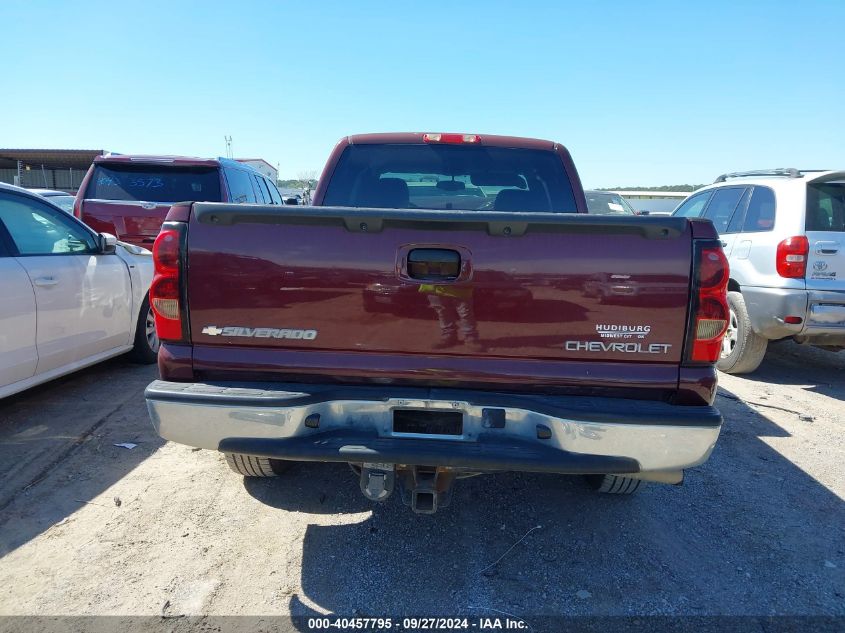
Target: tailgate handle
827,248
434,264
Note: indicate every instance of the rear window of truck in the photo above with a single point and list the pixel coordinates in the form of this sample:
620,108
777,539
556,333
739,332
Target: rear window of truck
154,184
826,207
450,177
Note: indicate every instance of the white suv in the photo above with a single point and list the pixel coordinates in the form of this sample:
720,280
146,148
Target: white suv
783,231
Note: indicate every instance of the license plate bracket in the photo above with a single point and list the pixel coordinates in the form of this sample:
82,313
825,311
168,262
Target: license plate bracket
428,422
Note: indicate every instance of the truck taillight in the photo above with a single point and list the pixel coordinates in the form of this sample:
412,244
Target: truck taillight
432,137
791,258
165,291
710,303
77,208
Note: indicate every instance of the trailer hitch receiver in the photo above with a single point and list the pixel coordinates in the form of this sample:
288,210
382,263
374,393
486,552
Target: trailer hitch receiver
426,489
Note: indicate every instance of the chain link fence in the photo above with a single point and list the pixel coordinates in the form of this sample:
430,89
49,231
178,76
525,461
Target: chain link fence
44,177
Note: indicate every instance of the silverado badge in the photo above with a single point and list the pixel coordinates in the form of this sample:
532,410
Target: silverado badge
259,332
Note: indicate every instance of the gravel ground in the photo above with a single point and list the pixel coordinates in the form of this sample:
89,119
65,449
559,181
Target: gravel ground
90,528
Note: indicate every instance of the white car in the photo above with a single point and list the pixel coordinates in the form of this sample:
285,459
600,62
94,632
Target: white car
783,231
69,297
61,199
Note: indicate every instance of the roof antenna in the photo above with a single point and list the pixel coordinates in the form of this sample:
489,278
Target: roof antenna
228,140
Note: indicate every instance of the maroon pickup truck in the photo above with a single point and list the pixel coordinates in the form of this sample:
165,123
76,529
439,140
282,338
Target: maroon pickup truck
435,315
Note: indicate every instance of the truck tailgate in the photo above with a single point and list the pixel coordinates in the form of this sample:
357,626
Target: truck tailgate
352,292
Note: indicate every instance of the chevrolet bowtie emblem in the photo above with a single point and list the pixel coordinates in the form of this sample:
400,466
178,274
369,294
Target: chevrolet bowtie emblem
212,330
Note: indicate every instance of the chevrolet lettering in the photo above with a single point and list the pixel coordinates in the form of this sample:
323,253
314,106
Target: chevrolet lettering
625,348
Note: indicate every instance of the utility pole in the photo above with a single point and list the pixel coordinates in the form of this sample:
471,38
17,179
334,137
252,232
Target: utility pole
228,140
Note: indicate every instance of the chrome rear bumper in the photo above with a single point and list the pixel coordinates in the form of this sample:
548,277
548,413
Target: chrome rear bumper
499,431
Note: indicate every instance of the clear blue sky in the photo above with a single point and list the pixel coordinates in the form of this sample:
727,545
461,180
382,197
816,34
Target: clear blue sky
642,93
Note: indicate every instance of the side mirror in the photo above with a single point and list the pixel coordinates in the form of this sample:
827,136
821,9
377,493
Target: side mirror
107,242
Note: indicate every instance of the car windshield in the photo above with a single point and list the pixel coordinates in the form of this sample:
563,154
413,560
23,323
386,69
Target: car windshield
431,176
611,203
154,183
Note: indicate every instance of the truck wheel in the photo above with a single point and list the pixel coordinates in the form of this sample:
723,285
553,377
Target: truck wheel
145,348
742,348
251,466
613,484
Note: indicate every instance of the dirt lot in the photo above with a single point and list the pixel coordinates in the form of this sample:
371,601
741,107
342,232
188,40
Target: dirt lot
90,528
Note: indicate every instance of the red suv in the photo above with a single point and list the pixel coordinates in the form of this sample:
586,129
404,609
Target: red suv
129,196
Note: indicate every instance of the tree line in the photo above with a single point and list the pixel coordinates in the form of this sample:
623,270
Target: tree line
660,188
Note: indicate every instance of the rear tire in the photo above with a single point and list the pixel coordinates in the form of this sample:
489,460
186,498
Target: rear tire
252,466
743,349
613,484
145,348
